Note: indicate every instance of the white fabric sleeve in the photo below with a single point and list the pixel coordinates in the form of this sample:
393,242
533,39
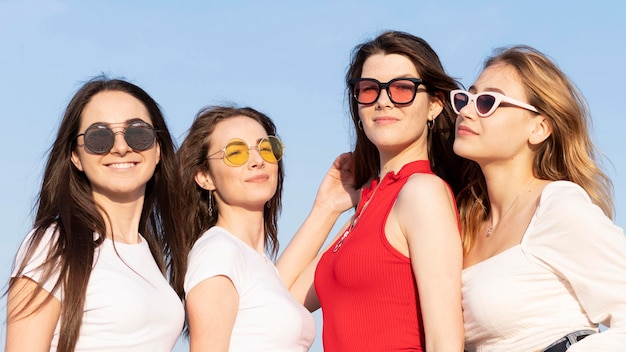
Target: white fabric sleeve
575,239
33,269
213,254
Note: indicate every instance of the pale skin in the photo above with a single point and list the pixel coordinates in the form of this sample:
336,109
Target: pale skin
422,224
118,180
508,168
32,330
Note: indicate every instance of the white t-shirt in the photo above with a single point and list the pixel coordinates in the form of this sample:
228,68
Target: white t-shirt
567,274
269,318
129,305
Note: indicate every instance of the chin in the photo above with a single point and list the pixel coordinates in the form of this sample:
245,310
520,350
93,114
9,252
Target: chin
461,150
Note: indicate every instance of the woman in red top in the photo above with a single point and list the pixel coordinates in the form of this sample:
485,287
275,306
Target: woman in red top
391,281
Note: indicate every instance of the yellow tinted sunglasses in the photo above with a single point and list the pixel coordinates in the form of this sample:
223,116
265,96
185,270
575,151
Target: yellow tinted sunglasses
237,151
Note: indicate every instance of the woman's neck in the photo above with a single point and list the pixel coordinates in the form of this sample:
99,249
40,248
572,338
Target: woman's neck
395,161
244,224
504,186
121,219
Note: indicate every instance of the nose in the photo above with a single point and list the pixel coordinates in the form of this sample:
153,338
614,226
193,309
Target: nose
384,99
120,146
254,158
468,111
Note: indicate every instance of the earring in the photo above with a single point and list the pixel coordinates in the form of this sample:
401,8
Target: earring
210,203
360,125
430,124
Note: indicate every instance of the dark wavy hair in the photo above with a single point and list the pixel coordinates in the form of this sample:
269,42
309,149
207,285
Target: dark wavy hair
66,203
192,157
443,161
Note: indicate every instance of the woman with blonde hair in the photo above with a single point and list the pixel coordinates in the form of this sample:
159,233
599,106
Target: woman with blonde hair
544,264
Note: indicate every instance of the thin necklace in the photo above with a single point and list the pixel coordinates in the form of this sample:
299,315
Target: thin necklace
491,227
355,219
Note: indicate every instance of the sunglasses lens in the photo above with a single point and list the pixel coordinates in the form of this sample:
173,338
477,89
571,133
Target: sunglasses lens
139,136
99,139
484,103
459,101
236,152
271,149
366,92
402,91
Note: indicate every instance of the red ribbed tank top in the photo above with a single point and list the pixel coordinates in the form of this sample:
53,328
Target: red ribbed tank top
367,289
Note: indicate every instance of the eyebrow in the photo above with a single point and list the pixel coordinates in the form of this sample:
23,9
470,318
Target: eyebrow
127,122
472,90
405,75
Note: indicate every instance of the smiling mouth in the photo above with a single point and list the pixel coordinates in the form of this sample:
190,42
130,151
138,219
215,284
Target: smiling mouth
259,178
122,165
385,120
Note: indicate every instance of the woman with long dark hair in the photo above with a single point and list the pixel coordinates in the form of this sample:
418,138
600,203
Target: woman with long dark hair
92,274
391,281
232,176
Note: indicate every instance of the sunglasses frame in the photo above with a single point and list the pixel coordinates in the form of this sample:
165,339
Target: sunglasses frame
417,81
131,124
499,98
229,162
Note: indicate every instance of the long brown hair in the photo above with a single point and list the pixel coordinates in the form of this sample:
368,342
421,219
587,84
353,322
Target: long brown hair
443,161
66,204
568,154
192,157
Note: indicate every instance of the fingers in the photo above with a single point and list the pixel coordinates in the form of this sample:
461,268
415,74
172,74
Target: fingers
343,162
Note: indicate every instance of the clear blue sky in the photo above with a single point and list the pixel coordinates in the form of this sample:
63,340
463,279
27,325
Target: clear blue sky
284,58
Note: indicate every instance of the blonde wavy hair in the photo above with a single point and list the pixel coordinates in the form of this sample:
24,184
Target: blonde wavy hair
568,154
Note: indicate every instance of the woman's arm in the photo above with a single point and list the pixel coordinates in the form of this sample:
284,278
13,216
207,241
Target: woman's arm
303,289
30,327
585,248
427,216
212,307
335,195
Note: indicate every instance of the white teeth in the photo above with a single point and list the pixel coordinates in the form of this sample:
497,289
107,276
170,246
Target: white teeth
122,165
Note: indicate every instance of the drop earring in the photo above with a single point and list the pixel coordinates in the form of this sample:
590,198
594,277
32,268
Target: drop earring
210,203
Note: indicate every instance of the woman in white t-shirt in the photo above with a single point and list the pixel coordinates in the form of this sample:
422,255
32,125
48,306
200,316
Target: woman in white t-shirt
231,162
544,264
91,274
